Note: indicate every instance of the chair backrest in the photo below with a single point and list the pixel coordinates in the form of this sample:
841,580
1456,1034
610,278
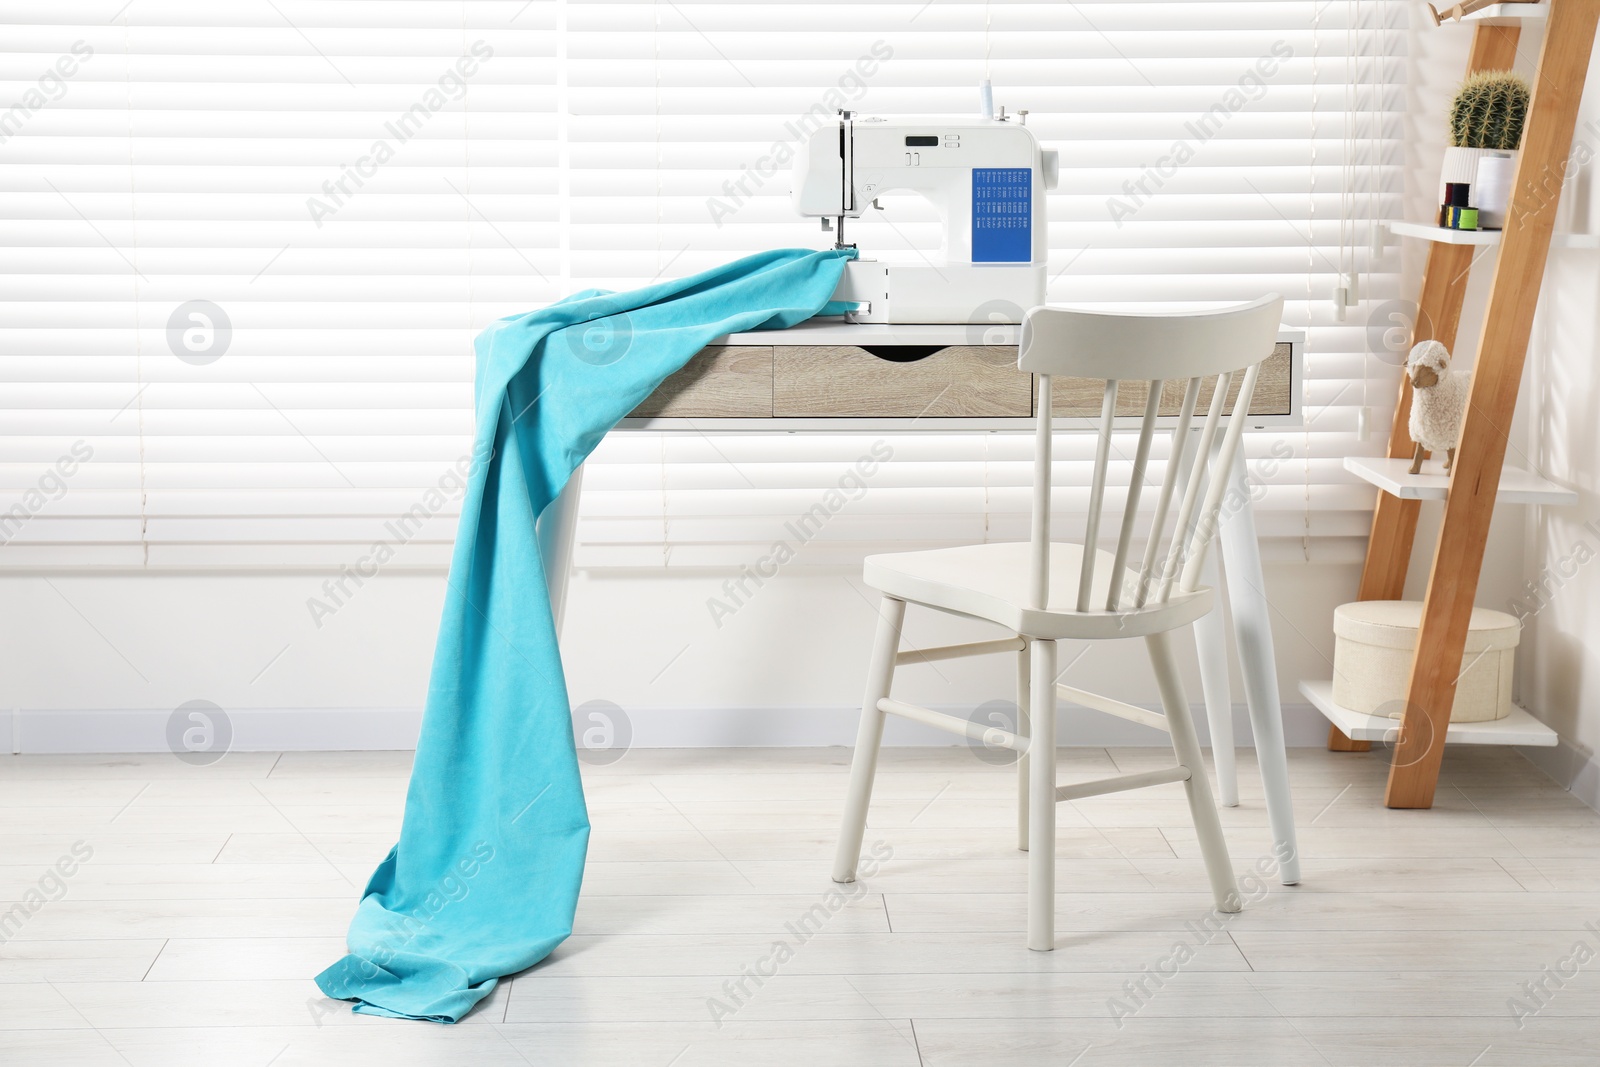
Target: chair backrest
1191,347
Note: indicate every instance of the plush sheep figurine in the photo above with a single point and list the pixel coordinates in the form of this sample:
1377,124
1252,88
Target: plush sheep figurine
1439,397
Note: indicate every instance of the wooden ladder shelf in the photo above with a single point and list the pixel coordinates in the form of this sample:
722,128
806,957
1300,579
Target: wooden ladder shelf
1508,323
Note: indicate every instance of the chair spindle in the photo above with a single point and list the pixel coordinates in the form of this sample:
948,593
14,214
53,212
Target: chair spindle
1191,491
1130,511
1180,439
1039,535
1097,493
1221,475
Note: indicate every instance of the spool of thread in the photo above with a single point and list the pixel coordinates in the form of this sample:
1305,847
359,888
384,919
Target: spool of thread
1466,218
1458,194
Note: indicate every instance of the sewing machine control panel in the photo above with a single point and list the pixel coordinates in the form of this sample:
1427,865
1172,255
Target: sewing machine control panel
1002,214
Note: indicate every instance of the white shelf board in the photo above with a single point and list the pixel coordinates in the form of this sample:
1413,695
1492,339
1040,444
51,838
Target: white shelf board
1518,728
1444,235
1503,14
1393,476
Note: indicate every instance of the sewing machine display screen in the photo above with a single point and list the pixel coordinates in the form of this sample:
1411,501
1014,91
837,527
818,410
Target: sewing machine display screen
922,141
1002,215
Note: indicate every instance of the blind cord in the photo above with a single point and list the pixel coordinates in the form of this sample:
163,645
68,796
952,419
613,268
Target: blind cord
138,304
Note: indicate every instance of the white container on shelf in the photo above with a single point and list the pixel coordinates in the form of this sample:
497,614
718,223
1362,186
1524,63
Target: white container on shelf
1375,640
1461,165
1491,188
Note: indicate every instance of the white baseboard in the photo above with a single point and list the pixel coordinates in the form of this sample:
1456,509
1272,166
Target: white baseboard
252,729
39,731
821,727
35,730
1571,768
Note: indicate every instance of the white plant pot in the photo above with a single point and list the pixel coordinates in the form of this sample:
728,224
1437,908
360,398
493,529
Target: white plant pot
1461,165
1491,188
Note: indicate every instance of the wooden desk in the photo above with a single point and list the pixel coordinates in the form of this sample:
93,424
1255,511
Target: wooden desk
823,377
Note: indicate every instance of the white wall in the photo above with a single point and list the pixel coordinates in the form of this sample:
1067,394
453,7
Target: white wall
128,642
1560,662
786,669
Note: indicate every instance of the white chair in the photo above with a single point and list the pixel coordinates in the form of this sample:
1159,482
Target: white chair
1045,591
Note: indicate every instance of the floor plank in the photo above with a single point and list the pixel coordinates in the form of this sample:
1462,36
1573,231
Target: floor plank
213,896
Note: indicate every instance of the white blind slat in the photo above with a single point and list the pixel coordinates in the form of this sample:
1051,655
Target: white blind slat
184,157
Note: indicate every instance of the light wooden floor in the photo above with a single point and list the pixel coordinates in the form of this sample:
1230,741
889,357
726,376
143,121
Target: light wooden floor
214,894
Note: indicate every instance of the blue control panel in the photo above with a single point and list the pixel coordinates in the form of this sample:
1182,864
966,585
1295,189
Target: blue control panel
1002,214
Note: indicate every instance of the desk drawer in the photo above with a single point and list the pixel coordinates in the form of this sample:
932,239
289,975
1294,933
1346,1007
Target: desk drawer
960,381
1081,397
724,382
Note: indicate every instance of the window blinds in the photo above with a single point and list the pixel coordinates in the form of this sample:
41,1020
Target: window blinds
249,246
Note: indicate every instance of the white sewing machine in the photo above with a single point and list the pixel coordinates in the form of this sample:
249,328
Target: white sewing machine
986,177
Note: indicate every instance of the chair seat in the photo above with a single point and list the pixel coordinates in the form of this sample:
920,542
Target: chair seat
991,582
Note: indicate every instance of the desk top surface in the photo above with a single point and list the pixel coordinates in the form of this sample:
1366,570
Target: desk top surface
837,332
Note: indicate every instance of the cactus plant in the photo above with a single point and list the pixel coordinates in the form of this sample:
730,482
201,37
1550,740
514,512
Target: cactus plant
1489,110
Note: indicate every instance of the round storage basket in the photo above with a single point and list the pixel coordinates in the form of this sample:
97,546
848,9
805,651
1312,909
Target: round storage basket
1374,641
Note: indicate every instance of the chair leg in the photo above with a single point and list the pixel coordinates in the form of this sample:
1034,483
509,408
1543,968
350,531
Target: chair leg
1252,631
1186,745
1023,717
863,767
1042,797
1211,643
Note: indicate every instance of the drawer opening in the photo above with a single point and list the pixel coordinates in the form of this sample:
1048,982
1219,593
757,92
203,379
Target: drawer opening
903,353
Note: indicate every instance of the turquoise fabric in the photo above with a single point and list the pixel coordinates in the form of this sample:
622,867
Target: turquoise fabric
485,878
